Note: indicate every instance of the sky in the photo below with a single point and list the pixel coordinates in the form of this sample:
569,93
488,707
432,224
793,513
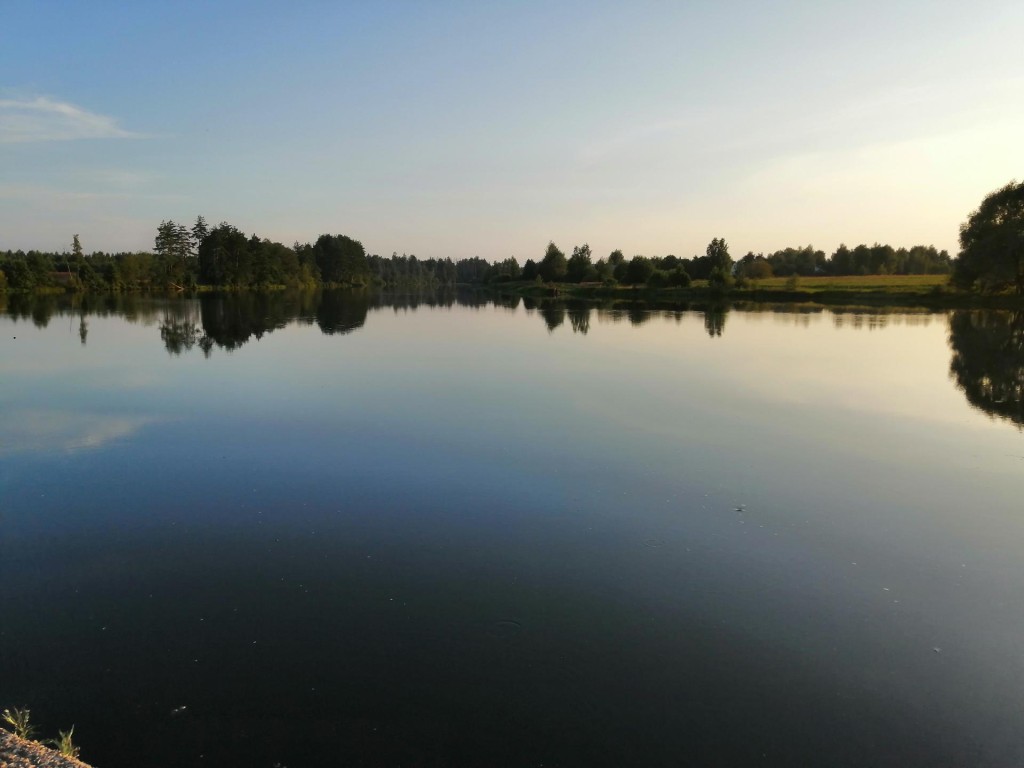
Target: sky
458,129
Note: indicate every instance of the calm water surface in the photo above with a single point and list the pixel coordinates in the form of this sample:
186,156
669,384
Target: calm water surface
344,530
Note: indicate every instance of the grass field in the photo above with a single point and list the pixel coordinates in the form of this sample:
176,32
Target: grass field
883,283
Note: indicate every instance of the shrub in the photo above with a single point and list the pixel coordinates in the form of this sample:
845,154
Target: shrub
64,744
679,278
18,719
657,279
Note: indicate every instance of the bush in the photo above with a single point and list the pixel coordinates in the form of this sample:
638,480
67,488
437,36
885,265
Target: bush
657,279
679,278
639,270
719,278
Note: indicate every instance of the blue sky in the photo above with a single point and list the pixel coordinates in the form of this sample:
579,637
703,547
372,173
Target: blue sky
467,128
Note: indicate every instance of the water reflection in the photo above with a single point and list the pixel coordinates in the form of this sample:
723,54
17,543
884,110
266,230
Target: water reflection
988,361
231,320
57,431
579,318
987,346
179,328
553,313
654,544
714,320
228,321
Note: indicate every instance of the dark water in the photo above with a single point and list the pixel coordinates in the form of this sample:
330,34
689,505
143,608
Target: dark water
347,530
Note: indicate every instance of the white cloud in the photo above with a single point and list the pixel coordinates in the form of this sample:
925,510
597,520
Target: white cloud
43,119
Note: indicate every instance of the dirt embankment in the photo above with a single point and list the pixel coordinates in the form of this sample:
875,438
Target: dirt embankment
18,753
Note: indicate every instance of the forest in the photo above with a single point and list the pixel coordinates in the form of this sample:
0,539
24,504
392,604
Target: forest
186,258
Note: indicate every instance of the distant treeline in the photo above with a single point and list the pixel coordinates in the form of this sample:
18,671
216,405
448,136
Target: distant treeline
715,265
187,257
222,256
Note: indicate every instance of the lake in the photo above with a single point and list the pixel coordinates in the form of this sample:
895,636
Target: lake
349,529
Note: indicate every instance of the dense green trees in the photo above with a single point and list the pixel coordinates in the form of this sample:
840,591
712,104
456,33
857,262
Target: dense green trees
992,243
754,267
409,272
223,256
553,267
341,260
175,253
579,267
882,260
638,270
718,256
804,260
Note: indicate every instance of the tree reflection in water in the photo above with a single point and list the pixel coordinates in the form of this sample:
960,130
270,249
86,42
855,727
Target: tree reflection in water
987,346
988,361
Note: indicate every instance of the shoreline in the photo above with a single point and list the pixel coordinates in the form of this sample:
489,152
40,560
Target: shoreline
933,298
16,752
879,297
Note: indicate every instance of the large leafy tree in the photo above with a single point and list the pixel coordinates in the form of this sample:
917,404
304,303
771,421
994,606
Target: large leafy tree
554,265
579,264
639,270
718,254
992,243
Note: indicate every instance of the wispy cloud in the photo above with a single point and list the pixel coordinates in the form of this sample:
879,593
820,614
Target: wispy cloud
43,119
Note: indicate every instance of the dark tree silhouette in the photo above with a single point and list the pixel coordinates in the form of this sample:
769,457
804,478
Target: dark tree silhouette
554,265
992,243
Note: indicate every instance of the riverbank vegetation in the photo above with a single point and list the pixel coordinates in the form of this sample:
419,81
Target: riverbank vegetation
18,720
991,261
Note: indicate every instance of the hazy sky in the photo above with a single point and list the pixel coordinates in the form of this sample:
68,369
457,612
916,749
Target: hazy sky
477,128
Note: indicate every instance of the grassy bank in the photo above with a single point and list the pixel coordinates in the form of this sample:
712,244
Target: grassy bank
860,283
928,291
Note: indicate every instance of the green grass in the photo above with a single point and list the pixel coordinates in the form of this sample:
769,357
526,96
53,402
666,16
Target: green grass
883,283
